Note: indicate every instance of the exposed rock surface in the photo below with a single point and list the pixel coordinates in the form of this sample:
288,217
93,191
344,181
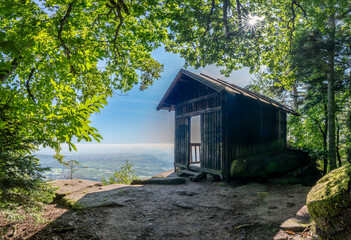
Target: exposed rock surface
65,187
196,210
85,194
166,181
329,203
294,224
252,188
169,173
297,227
194,176
186,193
183,205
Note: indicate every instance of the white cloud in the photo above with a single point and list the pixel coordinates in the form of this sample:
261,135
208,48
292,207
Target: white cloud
92,148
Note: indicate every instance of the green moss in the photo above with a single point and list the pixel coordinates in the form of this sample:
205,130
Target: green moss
70,203
223,184
268,164
235,167
272,167
77,206
261,196
330,195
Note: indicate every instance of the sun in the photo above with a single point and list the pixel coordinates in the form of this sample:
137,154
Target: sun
253,22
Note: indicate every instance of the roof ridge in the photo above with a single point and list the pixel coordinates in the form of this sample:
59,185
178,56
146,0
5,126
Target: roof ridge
222,85
258,95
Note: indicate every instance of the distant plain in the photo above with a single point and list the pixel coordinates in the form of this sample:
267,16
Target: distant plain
101,160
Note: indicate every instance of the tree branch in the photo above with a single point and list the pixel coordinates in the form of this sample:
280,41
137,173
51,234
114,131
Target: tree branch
318,124
344,14
27,85
118,6
303,10
62,23
209,17
226,4
6,73
238,7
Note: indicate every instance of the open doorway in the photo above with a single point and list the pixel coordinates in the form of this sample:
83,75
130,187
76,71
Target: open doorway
195,140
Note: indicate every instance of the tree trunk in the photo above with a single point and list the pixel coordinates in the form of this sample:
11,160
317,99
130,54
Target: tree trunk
295,95
338,143
348,137
331,92
295,105
325,134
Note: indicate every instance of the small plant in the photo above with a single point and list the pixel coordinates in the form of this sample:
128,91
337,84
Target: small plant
72,166
123,176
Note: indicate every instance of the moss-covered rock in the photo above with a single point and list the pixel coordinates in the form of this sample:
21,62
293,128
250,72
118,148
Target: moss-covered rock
269,164
329,203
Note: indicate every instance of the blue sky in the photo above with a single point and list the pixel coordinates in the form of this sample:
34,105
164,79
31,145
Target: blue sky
133,118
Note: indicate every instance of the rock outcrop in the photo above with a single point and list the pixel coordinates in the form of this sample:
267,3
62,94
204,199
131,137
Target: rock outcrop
85,194
329,203
269,164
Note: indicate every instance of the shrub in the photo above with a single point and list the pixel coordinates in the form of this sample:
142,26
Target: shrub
21,182
123,176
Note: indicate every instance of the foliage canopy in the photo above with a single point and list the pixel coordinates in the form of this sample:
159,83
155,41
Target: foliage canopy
61,59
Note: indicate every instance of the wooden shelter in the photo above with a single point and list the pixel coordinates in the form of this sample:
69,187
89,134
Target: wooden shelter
234,123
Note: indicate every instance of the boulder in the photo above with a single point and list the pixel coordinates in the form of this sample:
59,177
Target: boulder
329,204
212,177
269,164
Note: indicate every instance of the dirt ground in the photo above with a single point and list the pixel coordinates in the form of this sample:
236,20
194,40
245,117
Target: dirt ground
196,210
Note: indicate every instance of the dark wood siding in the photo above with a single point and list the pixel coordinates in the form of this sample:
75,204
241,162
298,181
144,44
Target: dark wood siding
250,128
211,139
191,89
181,141
197,99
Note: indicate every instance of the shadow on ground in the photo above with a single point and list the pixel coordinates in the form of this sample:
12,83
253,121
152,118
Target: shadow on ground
200,210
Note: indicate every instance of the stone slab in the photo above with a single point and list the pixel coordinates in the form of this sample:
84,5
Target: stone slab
68,186
169,173
293,224
166,181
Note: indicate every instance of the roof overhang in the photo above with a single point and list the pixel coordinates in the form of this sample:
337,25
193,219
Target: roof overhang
208,82
219,86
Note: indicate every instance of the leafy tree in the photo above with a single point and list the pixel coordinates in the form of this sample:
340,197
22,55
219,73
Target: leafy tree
21,176
59,62
123,176
245,33
61,59
309,62
21,179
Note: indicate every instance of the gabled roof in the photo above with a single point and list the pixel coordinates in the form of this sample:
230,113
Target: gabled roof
219,86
